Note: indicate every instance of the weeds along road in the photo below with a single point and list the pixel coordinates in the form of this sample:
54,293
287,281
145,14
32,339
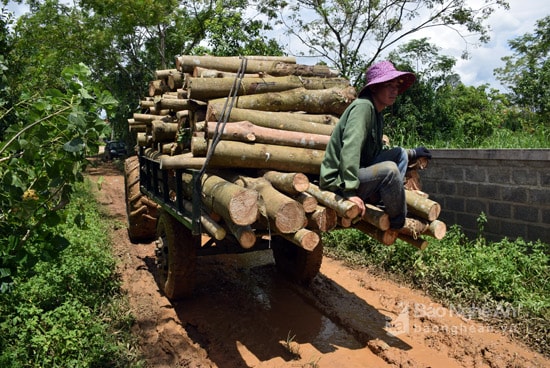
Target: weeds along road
244,314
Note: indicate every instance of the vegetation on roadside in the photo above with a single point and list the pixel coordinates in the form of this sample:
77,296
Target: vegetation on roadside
504,283
68,309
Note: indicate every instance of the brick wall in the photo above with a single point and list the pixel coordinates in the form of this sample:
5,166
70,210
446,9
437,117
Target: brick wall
512,188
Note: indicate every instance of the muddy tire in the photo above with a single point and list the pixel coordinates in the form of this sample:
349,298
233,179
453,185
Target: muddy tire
142,213
296,263
176,258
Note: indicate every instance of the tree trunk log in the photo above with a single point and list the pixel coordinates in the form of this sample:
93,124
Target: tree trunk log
322,219
245,131
164,132
199,72
290,121
212,88
233,202
263,156
304,238
422,207
244,234
174,104
208,224
164,73
309,202
255,64
377,217
343,207
415,242
289,183
322,101
286,214
387,237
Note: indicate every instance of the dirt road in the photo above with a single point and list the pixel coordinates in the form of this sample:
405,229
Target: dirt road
243,314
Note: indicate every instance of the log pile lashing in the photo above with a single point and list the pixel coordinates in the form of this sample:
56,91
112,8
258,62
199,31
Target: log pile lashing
257,129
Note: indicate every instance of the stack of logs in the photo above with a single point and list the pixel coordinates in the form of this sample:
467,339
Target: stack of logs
257,127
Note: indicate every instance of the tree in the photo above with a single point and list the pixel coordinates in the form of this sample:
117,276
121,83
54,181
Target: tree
527,72
351,34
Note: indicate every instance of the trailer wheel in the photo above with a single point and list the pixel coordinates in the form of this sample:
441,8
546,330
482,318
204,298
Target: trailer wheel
176,258
142,213
296,263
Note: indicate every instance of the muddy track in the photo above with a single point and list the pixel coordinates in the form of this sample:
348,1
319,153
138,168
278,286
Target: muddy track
244,314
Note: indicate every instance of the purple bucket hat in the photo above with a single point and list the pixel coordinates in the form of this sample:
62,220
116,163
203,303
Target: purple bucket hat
384,71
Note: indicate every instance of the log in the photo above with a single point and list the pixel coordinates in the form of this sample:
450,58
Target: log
422,207
164,132
343,207
182,161
304,238
290,183
211,73
230,154
286,214
174,104
387,237
289,121
212,88
208,224
149,118
255,64
322,219
164,73
322,101
309,202
175,81
244,234
415,242
376,217
245,131
158,87
233,202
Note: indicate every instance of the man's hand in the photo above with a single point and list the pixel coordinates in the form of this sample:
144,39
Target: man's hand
419,152
359,202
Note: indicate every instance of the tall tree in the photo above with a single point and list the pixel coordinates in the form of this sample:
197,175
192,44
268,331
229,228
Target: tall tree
351,34
527,72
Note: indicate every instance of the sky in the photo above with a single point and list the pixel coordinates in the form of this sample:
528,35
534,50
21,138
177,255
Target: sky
478,69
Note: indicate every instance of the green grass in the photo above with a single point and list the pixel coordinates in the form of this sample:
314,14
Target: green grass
68,311
505,283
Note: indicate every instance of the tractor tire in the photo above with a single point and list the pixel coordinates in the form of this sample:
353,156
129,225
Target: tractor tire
298,264
176,258
142,213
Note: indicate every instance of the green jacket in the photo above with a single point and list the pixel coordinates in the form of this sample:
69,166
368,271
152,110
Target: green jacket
355,141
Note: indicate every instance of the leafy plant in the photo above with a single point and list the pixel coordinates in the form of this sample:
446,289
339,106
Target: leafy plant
43,156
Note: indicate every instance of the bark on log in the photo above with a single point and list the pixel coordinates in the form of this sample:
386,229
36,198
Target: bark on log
244,234
213,228
164,73
211,73
233,202
422,207
212,88
376,217
149,118
309,202
286,214
415,242
158,87
387,237
245,131
175,81
289,121
163,132
255,64
265,156
174,104
343,207
322,219
289,183
304,238
322,101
